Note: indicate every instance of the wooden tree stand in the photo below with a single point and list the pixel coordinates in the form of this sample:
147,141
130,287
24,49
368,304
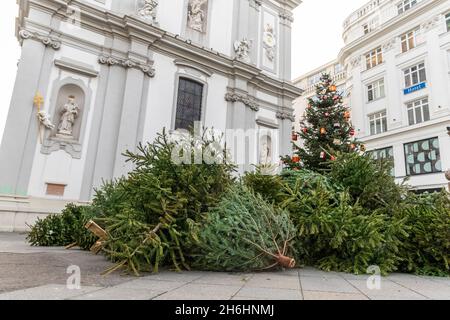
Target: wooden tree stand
99,232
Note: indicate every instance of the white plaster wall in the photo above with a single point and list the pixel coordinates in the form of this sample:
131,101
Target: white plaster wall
216,112
221,26
59,167
170,15
101,3
160,98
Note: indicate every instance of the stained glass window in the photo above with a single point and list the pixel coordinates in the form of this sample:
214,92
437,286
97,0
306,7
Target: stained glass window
423,157
189,103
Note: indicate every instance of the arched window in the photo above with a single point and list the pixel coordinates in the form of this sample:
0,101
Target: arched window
189,103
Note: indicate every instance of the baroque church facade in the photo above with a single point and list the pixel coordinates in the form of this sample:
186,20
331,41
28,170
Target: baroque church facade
96,77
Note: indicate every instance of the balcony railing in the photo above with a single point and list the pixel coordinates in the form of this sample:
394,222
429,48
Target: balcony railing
337,78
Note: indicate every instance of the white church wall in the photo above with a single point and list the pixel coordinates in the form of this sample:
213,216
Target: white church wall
160,98
60,167
170,16
221,15
216,112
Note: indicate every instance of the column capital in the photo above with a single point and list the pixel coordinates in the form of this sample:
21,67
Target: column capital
48,41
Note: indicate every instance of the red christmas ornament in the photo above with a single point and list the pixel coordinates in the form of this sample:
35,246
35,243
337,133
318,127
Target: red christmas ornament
352,131
305,130
296,159
322,155
333,158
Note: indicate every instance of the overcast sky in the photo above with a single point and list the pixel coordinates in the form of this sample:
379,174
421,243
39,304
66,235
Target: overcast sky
316,35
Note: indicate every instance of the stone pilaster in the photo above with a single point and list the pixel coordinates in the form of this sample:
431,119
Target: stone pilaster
20,136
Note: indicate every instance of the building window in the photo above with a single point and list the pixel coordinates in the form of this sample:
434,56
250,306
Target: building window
189,103
415,75
338,68
375,90
314,79
385,153
418,111
374,58
378,123
405,5
370,26
447,19
423,157
409,40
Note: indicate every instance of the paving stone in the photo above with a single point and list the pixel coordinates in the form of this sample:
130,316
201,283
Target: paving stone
321,295
114,293
269,294
389,291
176,276
272,280
201,292
444,281
151,285
425,287
48,292
224,279
311,272
327,284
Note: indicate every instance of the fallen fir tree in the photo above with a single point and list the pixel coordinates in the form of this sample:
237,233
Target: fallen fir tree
244,233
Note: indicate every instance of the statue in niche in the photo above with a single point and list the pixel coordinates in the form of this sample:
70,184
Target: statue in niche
265,153
197,15
69,113
148,10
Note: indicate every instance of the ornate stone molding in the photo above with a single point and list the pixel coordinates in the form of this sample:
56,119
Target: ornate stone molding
246,99
355,62
47,41
256,4
127,63
286,16
389,45
71,147
283,115
430,24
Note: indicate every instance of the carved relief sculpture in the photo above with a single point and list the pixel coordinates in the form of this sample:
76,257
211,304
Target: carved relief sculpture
69,113
44,120
265,153
242,49
197,15
148,11
269,42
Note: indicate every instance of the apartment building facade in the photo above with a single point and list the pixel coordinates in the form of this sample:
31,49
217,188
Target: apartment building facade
396,61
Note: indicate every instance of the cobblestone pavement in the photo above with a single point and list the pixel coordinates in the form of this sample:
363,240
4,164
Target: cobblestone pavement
41,273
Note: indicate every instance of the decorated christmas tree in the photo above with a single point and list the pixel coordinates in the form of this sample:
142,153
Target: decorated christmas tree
326,130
